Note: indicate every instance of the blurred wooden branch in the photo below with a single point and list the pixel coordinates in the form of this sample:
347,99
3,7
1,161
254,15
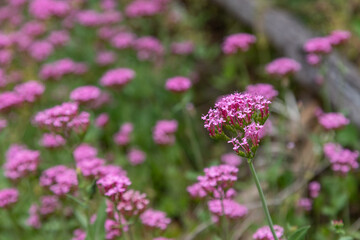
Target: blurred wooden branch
288,35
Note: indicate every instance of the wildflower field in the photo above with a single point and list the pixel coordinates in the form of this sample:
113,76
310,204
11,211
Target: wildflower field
169,119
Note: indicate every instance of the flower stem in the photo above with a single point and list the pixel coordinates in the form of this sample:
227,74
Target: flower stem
262,197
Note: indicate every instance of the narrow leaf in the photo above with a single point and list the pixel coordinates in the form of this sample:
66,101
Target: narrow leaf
299,234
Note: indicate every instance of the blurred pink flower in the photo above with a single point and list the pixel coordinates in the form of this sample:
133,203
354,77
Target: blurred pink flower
282,67
136,156
8,197
178,84
239,41
155,219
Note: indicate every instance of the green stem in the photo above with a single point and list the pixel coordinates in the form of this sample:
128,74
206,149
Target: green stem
262,197
223,220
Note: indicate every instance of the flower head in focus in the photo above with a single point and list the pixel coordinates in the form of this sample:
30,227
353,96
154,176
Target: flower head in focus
238,118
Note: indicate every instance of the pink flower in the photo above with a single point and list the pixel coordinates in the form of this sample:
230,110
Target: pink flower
102,120
144,8
155,219
266,90
231,159
84,151
20,162
149,48
112,229
178,84
110,170
264,233
319,45
3,124
218,179
8,197
113,186
32,29
122,137
58,38
44,9
305,204
9,100
196,191
30,91
85,94
332,121
123,40
118,77
51,140
164,132
57,70
63,118
339,37
105,58
41,50
236,42
313,59
133,203
245,111
182,48
282,67
79,234
227,208
136,156
49,204
5,40
89,18
34,218
6,56
342,160
314,189
90,167
59,179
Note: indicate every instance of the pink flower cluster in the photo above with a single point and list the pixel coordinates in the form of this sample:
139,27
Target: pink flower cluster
164,132
155,219
305,204
85,94
218,179
40,50
282,67
51,140
25,92
79,234
136,156
118,77
145,8
236,42
314,189
148,48
102,120
45,9
105,58
332,121
8,197
59,179
231,159
318,45
59,69
228,208
63,118
122,137
123,40
178,84
29,91
338,37
264,233
48,205
91,18
113,186
132,203
182,48
342,160
20,162
239,112
264,89
58,38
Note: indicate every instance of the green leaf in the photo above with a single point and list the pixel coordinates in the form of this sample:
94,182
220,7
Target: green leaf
346,238
299,234
98,227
